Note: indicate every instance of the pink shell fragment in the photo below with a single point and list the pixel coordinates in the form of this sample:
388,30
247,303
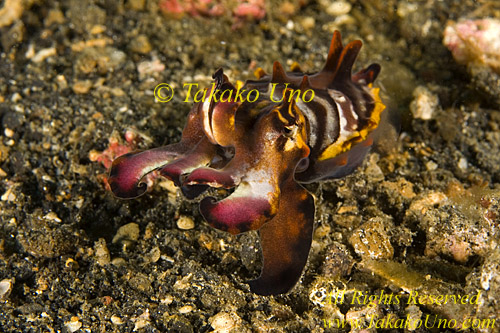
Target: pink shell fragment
474,41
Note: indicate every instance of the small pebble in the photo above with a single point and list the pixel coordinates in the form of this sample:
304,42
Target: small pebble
118,262
44,54
185,223
8,133
54,16
9,195
322,231
127,232
52,216
116,320
338,261
427,201
167,300
140,282
424,103
308,23
431,165
140,44
61,82
73,325
224,321
5,288
117,92
16,97
184,282
186,309
288,8
153,256
97,29
371,240
82,86
42,285
462,163
337,8
142,321
11,11
101,252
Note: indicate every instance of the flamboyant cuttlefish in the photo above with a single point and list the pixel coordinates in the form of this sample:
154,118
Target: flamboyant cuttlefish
263,141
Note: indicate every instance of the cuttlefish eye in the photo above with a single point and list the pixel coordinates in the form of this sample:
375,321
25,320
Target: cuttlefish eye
290,130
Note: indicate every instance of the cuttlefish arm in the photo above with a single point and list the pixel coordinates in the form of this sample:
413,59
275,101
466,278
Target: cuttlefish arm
127,171
253,203
285,241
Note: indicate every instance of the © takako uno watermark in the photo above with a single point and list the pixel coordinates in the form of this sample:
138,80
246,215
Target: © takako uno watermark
163,93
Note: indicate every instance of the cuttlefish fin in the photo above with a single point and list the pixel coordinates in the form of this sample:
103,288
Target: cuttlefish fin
337,167
285,241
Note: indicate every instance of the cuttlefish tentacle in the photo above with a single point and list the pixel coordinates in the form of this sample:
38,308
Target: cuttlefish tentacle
285,241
